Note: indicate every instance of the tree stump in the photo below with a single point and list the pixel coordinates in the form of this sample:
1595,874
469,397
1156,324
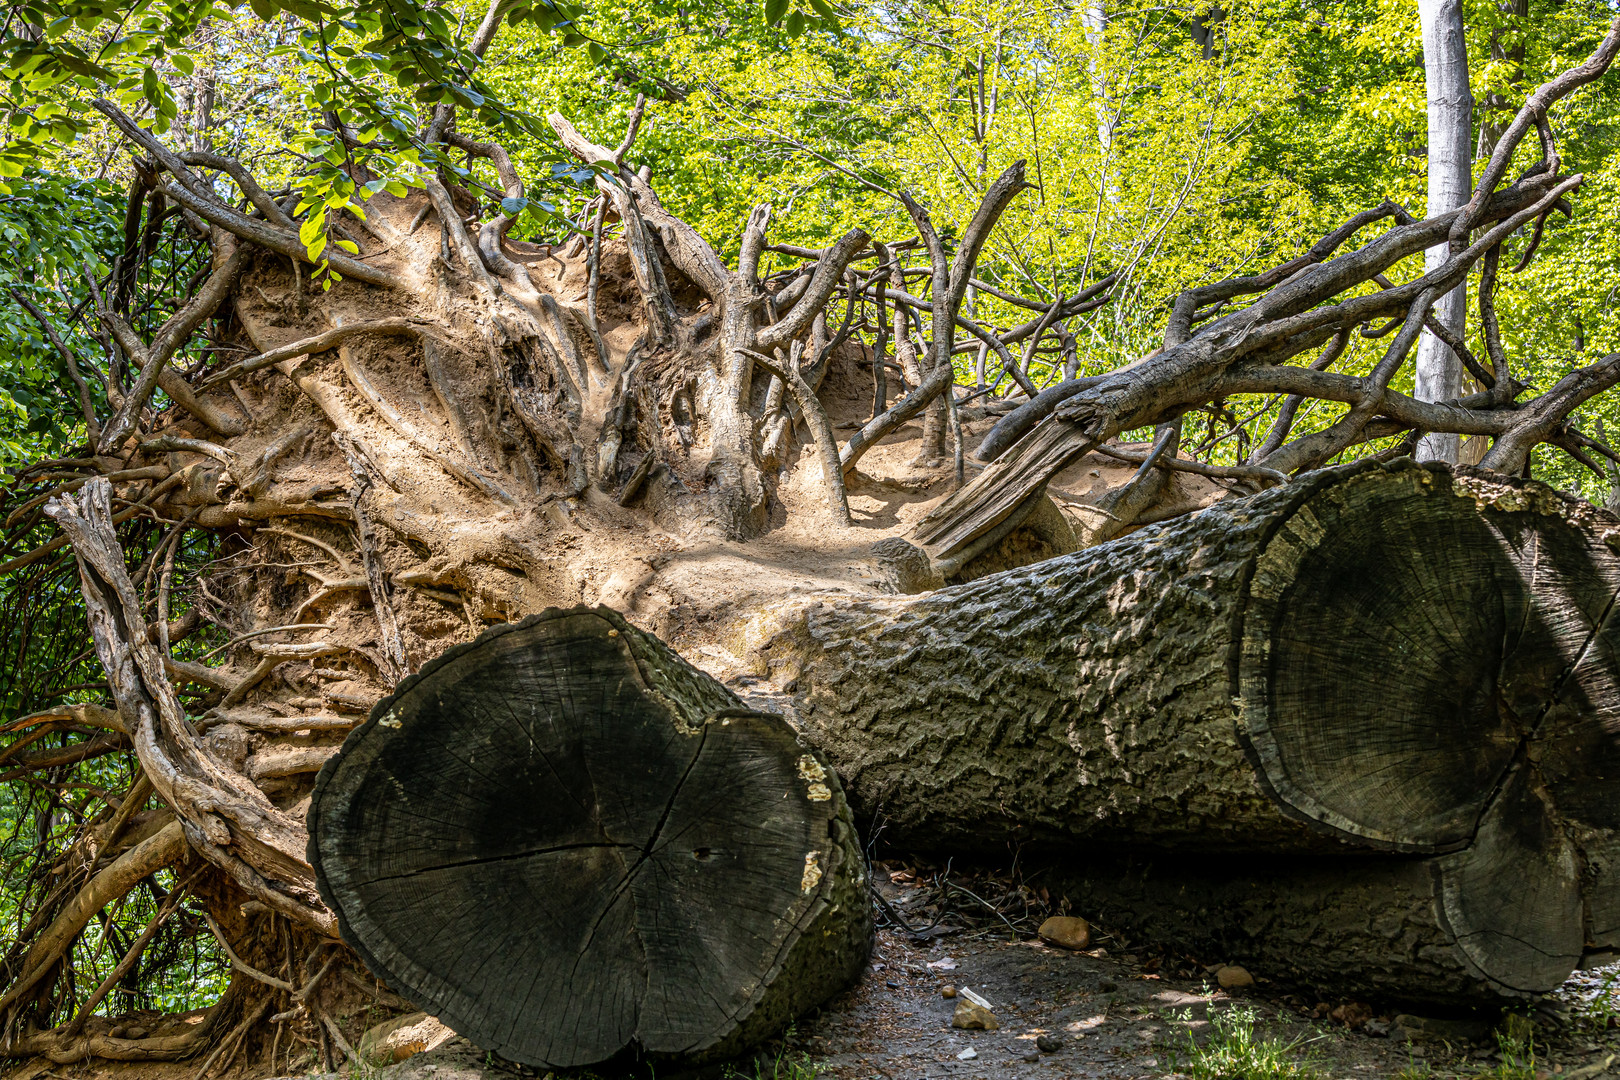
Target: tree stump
573,848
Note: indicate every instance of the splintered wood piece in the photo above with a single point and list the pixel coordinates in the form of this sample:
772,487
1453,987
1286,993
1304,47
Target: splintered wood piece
572,847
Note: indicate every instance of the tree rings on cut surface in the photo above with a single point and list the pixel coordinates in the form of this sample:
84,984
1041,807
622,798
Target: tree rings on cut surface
573,847
1428,666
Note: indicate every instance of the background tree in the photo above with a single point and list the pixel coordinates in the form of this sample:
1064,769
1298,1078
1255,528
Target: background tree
1450,151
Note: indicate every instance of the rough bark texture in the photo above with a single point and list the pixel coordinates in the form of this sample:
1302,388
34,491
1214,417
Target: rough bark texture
573,848
1348,927
1296,672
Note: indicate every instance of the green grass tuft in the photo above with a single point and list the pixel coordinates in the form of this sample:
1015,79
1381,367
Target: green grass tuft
1235,1051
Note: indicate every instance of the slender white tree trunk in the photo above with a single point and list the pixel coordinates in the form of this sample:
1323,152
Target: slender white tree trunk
1094,17
1451,110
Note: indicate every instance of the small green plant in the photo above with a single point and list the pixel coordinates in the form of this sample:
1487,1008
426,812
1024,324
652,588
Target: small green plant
361,1068
1518,1059
1235,1051
783,1065
1601,1008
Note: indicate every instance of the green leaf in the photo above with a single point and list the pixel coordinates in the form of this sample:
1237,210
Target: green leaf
829,16
313,226
774,11
348,245
795,23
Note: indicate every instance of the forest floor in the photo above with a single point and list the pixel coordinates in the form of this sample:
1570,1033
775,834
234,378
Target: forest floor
1117,1013
1116,1021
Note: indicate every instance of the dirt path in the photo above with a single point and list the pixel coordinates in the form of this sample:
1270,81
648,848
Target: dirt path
1117,1020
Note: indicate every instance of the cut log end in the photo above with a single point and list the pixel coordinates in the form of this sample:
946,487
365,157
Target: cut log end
573,848
1427,667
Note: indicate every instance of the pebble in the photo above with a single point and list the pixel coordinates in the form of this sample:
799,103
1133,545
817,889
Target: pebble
1233,977
947,991
973,1013
967,1055
1067,931
1049,1044
1032,1058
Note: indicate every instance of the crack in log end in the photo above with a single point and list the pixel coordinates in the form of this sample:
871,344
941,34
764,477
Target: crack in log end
481,855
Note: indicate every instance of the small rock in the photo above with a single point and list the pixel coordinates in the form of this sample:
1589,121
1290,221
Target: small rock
1032,1058
1233,977
1352,1014
947,991
973,1013
136,1032
967,1055
1378,1029
1049,1044
944,963
1066,931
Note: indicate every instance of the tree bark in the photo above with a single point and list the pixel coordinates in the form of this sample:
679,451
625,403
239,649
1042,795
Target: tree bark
1337,928
1451,109
574,848
1394,659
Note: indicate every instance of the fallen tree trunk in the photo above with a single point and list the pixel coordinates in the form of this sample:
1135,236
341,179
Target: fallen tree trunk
573,848
1373,658
1372,661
